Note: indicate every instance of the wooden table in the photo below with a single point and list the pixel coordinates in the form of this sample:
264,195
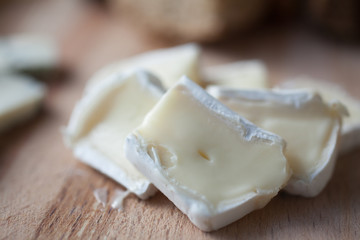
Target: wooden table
46,193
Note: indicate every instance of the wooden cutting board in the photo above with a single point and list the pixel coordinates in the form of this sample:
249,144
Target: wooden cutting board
46,193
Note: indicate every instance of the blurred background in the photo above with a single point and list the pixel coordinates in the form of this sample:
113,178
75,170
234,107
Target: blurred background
292,37
318,39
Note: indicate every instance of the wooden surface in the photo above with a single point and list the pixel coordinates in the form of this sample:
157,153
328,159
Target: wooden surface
45,193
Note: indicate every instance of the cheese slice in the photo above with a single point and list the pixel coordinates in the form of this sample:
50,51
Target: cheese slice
214,165
27,53
102,119
241,74
20,99
167,64
351,125
309,126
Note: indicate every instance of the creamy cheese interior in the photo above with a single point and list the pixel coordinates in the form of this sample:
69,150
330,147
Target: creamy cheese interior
330,92
306,131
205,155
242,74
19,98
167,64
119,112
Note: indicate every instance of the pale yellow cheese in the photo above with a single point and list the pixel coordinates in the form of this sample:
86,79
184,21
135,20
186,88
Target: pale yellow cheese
168,64
242,74
351,124
308,125
126,109
306,134
208,153
196,145
103,119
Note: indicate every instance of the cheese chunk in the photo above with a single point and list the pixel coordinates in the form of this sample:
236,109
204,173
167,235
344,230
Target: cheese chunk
214,165
103,118
27,53
20,98
241,74
167,64
309,126
351,125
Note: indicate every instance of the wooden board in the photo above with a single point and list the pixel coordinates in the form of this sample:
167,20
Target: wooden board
46,193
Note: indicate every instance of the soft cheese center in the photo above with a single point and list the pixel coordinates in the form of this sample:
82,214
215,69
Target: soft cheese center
201,153
330,92
306,133
167,64
117,115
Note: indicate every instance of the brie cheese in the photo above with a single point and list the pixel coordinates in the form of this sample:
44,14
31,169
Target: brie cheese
27,53
211,163
102,119
20,98
351,125
241,74
309,126
167,64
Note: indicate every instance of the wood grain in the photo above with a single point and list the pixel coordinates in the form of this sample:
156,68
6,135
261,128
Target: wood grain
47,194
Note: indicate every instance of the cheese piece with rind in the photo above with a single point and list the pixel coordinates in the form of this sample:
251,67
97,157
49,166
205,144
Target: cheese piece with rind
310,127
168,64
250,74
214,165
102,119
351,125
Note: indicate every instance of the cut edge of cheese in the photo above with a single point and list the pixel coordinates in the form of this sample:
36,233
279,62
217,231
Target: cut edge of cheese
350,132
313,184
186,56
199,213
21,110
86,107
97,160
250,74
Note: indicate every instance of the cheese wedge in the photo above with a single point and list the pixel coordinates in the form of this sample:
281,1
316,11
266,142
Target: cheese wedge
351,125
167,64
211,163
27,53
20,99
102,119
310,127
241,74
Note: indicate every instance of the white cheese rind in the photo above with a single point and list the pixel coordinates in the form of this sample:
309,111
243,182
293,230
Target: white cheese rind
27,53
168,64
242,74
200,211
20,99
97,160
262,105
351,125
94,115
